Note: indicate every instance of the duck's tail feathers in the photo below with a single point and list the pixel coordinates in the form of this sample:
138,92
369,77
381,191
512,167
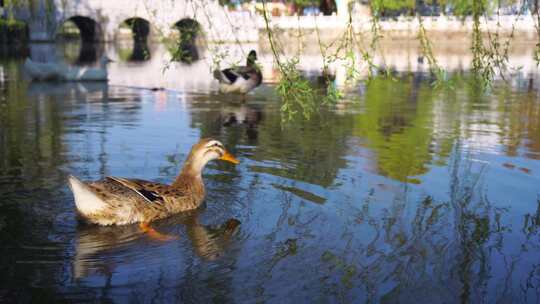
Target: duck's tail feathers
86,200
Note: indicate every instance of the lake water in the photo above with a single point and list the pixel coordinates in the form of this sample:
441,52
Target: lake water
398,194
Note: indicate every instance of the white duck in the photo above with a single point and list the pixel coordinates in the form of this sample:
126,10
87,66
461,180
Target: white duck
62,72
100,73
44,70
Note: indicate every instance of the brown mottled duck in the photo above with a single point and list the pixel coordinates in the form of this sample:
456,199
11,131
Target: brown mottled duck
120,201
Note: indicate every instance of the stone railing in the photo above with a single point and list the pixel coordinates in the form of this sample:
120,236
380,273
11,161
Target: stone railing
523,23
453,23
303,22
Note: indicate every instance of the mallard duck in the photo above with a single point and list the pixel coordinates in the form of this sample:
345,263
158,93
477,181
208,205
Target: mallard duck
120,201
240,79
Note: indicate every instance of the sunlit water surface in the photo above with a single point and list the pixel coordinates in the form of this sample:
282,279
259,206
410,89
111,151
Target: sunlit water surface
400,194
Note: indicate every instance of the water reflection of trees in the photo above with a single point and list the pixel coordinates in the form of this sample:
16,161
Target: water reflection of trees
520,123
397,122
438,251
36,138
30,136
30,156
424,248
410,126
406,124
453,249
311,151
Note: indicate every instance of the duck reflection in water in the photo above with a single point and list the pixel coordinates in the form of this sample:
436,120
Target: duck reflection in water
246,115
97,246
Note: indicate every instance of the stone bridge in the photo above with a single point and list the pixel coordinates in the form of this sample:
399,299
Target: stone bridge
101,20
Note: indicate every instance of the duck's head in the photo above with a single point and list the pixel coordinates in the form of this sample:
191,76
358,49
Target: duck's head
205,150
251,58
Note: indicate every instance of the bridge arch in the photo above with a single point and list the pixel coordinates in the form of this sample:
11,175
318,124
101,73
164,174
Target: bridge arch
140,28
134,46
188,32
89,29
189,29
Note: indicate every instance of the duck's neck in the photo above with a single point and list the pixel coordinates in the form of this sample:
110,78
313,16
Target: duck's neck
190,178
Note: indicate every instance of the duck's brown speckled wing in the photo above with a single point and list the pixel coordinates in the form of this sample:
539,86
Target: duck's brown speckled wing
151,192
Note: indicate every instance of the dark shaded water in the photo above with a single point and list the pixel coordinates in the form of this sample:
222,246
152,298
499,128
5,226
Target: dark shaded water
406,196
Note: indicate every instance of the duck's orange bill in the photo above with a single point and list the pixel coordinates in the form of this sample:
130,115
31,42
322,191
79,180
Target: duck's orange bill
229,157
